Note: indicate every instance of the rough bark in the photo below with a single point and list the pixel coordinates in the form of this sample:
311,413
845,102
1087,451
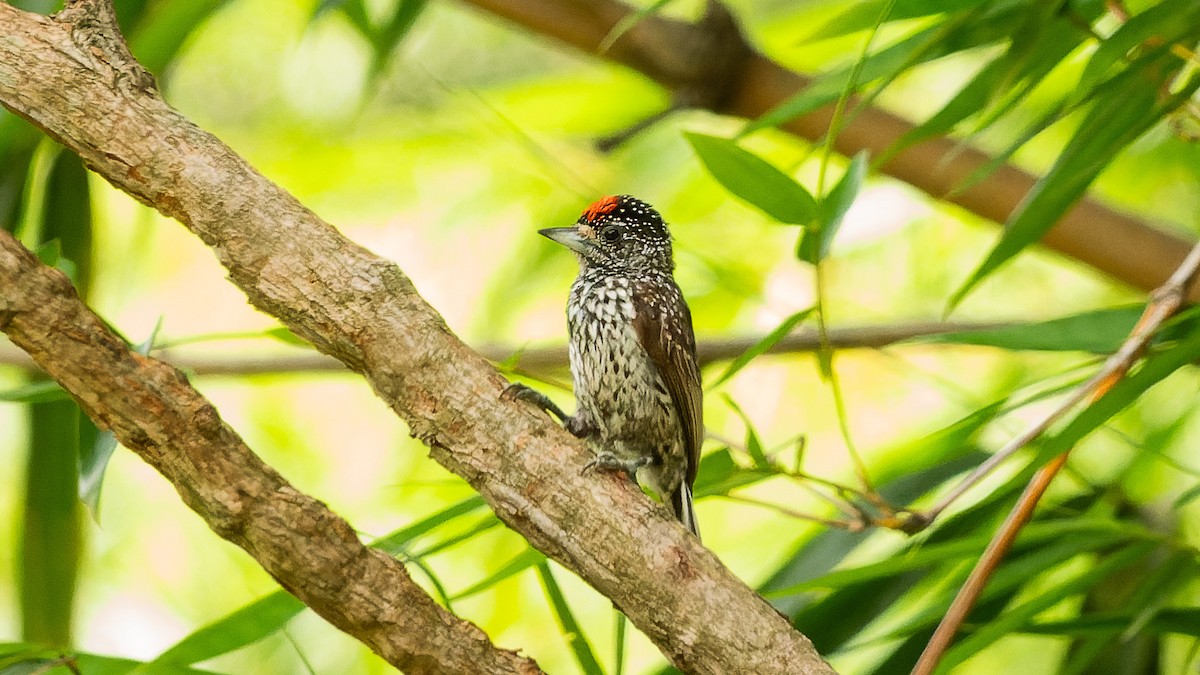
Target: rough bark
72,76
154,411
694,60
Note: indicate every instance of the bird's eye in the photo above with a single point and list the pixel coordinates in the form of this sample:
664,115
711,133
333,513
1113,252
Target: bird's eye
610,234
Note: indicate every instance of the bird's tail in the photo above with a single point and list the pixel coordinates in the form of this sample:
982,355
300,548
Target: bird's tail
681,502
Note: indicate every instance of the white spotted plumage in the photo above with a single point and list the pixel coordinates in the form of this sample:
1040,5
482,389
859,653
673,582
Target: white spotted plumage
632,351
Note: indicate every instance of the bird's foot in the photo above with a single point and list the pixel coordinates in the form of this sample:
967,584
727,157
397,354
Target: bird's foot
577,424
607,461
519,392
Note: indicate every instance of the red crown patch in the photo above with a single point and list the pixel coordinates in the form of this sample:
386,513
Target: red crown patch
600,207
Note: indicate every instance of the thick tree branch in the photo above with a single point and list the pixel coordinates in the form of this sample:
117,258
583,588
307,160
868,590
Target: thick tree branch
363,310
683,57
312,552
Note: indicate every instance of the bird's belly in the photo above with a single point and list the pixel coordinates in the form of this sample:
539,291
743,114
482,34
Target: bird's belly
620,388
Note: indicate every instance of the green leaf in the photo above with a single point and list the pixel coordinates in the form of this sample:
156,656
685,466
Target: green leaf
862,15
1015,617
571,630
1117,117
247,625
530,557
1165,22
270,614
753,444
1097,332
754,181
285,335
384,38
94,458
14,654
719,474
627,22
161,33
1187,497
831,209
1104,532
51,536
975,28
42,391
1153,370
488,522
29,230
1001,84
1184,621
395,30
1017,571
619,647
762,346
1151,590
93,463
394,543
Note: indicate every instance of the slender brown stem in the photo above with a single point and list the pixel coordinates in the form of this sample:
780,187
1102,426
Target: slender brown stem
1164,303
538,360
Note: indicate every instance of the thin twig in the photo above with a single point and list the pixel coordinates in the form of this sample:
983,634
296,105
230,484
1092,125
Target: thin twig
852,526
541,359
1164,302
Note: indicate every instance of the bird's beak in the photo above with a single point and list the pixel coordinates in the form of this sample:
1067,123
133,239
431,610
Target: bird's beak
567,236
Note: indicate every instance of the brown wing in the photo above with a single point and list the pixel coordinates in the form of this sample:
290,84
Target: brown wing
664,328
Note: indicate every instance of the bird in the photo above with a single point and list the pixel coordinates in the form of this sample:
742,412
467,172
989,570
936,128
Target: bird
632,352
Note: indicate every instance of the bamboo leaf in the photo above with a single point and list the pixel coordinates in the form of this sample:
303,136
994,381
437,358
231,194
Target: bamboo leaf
1103,531
1097,332
1117,117
719,475
753,444
1014,617
862,15
976,28
530,557
245,626
1153,370
160,34
93,462
271,613
762,346
42,391
1167,21
831,209
51,538
754,181
13,655
571,629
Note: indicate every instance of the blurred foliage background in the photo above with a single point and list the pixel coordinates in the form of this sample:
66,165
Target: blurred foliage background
442,138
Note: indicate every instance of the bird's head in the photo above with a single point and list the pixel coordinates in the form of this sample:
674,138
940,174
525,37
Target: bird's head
621,232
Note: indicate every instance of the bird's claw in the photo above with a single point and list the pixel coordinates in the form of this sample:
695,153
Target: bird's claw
607,461
519,392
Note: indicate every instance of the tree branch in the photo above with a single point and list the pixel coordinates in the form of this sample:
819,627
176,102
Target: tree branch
364,311
554,357
687,57
310,551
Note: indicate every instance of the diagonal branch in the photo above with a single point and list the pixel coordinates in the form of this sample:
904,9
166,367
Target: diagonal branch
71,76
693,60
312,552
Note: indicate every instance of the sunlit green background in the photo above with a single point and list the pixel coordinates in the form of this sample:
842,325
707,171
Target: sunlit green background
471,136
